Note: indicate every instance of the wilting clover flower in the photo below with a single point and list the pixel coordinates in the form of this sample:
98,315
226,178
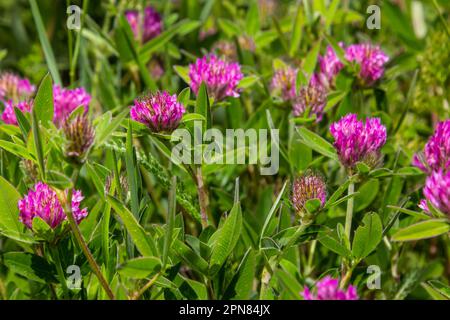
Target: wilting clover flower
67,100
371,60
437,191
357,140
436,154
43,202
8,115
14,87
225,50
307,187
144,26
220,77
311,99
79,135
161,112
328,289
283,82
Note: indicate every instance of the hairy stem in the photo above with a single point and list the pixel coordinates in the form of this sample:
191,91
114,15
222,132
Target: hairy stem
82,243
349,214
202,196
62,279
146,287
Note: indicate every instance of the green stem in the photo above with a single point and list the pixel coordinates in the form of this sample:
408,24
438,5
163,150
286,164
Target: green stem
346,279
82,243
295,236
146,287
202,196
62,279
349,214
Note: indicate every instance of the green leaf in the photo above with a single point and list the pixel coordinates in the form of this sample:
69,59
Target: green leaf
144,242
317,143
203,107
184,96
192,117
183,72
30,266
170,220
10,225
311,60
297,31
226,237
229,27
271,213
158,42
48,52
332,241
140,268
132,173
411,213
242,282
23,123
38,143
16,149
367,194
422,230
43,102
367,236
190,257
104,132
248,81
58,180
252,20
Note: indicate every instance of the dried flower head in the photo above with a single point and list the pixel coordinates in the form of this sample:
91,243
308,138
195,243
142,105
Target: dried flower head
358,140
43,202
144,26
220,77
161,112
307,187
9,116
311,99
80,135
225,50
13,87
283,83
437,191
436,154
67,100
328,289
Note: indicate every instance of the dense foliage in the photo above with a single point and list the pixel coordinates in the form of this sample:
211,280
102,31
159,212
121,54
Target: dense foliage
96,97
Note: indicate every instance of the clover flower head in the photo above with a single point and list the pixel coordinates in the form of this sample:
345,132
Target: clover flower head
43,202
67,100
371,60
14,87
330,65
160,112
307,187
80,135
328,289
436,154
220,77
9,116
358,140
145,26
283,82
311,99
437,192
